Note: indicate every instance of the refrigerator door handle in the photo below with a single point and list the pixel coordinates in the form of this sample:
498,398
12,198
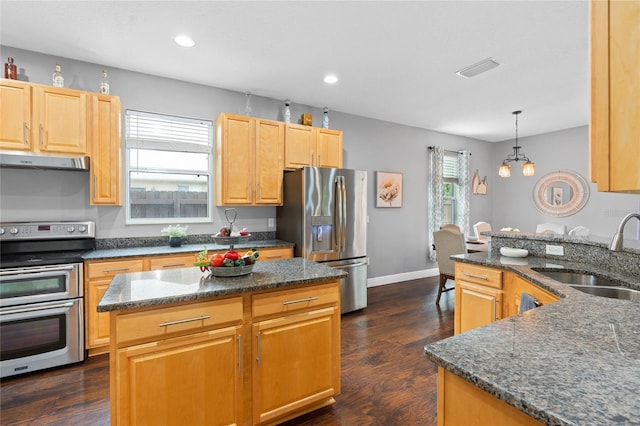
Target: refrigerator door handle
337,215
344,215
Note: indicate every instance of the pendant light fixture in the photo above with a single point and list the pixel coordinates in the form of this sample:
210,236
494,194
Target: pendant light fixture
528,168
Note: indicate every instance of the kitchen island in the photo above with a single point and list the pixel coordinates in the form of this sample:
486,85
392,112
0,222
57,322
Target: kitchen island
575,361
186,348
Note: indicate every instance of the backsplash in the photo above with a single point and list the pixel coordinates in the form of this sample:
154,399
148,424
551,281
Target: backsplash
118,243
593,250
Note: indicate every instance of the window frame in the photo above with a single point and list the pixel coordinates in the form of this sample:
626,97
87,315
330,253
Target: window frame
450,175
177,146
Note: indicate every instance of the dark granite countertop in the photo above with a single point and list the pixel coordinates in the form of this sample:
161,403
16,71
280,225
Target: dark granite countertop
572,362
115,253
141,289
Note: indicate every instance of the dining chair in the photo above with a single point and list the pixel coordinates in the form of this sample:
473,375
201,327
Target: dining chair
481,227
451,226
447,242
554,228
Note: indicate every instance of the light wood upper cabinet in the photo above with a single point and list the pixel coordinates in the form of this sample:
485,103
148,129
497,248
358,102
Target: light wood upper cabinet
615,104
249,161
106,150
312,146
60,120
15,115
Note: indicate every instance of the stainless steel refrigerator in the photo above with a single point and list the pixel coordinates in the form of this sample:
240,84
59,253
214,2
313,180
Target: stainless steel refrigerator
324,213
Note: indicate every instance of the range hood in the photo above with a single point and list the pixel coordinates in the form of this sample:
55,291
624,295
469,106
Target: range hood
26,160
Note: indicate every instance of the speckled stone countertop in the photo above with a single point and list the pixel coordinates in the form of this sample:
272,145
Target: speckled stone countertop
141,289
188,248
572,362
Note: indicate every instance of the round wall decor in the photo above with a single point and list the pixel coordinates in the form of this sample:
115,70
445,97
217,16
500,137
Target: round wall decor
561,193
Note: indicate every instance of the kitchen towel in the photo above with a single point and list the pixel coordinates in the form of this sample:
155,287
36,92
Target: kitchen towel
527,302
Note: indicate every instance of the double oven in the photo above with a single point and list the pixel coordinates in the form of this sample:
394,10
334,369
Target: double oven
41,294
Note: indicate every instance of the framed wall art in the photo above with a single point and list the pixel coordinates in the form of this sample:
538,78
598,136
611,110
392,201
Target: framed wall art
388,189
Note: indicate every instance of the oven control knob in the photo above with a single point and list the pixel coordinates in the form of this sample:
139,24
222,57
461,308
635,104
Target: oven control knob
2,231
13,231
82,228
70,229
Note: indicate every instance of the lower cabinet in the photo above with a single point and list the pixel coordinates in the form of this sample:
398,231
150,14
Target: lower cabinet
191,364
514,286
478,296
178,374
297,353
461,403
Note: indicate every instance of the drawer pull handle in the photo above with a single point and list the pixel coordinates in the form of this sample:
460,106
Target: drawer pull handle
203,317
306,299
115,269
480,277
172,265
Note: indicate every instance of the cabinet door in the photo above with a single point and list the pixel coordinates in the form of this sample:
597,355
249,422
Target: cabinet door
15,115
615,84
299,145
98,276
60,120
269,162
328,148
476,305
106,154
514,286
297,363
234,159
190,380
97,323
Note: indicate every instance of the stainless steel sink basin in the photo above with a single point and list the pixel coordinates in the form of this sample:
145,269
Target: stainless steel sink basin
611,292
578,278
592,284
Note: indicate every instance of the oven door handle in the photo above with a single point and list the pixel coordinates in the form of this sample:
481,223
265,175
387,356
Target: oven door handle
37,308
37,270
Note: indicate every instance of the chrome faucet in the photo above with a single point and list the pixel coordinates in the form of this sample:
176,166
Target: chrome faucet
616,242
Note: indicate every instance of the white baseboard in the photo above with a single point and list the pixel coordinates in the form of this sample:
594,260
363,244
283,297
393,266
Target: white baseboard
406,276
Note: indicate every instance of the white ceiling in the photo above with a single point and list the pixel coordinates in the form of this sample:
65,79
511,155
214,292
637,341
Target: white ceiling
396,60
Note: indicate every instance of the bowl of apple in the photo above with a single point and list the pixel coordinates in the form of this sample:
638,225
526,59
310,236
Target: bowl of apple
229,264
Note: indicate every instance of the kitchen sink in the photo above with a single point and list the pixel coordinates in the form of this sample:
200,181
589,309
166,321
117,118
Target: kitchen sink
611,292
592,284
578,278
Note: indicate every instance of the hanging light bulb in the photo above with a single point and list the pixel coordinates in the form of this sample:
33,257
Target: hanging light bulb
528,167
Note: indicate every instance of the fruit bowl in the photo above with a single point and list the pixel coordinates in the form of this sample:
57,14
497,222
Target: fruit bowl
231,271
224,241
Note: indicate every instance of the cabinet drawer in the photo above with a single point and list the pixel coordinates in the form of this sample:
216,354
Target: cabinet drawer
276,253
111,268
285,301
171,262
167,322
479,274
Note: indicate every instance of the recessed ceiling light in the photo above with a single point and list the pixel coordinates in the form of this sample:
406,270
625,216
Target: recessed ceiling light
184,40
331,79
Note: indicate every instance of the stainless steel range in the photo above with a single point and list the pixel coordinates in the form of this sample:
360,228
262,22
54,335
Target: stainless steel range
41,294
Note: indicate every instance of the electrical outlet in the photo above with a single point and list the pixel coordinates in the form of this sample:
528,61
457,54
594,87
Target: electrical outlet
271,222
556,250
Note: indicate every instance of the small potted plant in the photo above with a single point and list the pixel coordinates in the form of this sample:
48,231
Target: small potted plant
176,234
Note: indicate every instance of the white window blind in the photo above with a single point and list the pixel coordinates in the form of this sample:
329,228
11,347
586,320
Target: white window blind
450,168
157,131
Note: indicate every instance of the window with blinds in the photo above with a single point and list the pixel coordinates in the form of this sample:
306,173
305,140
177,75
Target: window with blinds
450,181
169,168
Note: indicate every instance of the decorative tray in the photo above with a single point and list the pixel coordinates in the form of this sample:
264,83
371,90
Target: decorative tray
231,240
231,271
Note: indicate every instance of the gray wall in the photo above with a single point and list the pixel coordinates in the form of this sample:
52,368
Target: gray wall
397,241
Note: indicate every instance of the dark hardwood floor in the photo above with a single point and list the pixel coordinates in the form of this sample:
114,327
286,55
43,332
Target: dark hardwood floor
386,379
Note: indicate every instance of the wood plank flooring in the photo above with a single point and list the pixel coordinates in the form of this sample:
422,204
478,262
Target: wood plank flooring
386,379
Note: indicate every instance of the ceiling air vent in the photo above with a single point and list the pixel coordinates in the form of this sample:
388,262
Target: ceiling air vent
478,68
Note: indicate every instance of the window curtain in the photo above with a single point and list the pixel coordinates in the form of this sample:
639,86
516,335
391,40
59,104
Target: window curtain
463,191
436,161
